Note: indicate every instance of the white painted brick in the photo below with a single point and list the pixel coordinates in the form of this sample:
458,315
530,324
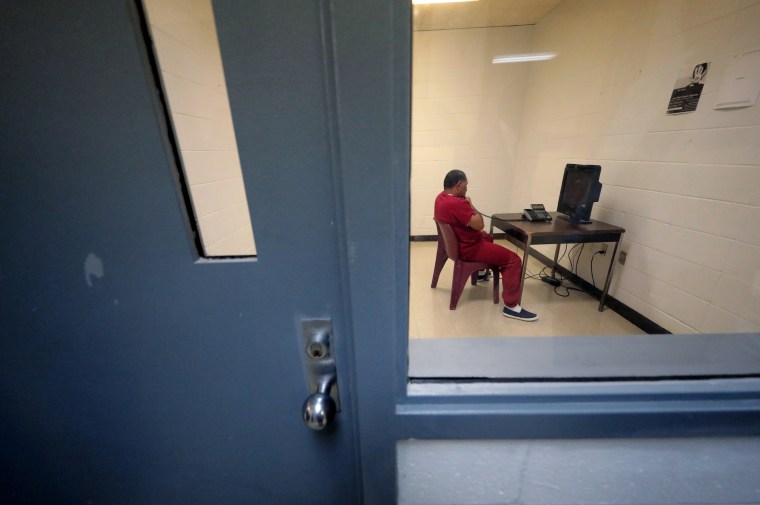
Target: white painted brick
175,57
429,105
600,213
189,98
728,146
744,32
697,247
219,225
190,22
636,283
668,146
710,118
750,219
215,196
199,134
651,204
675,302
210,166
645,231
738,297
620,147
728,183
707,39
239,243
717,320
684,275
653,313
161,12
744,263
724,219
634,119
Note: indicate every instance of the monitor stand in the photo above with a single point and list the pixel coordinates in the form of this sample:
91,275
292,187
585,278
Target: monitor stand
574,219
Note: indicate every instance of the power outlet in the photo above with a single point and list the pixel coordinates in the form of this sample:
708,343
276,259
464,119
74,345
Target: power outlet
603,250
622,256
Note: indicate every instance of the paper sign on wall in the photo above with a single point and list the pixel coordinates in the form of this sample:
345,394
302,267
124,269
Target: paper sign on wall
687,89
741,83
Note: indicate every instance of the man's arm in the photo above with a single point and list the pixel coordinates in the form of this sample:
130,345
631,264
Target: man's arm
476,221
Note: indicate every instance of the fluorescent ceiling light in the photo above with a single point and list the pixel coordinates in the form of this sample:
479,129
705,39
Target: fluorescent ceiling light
516,58
420,2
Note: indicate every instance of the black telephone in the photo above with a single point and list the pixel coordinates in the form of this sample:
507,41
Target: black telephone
537,212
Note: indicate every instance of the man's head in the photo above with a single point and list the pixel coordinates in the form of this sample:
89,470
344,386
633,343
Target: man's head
455,183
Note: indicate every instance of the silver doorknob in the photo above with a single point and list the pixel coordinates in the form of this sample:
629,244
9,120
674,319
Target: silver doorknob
320,408
319,411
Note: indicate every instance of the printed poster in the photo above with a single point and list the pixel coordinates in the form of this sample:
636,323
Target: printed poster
687,89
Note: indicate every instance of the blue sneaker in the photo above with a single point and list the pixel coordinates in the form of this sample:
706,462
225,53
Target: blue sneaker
523,315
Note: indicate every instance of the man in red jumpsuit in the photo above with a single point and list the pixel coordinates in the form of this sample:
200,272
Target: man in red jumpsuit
454,207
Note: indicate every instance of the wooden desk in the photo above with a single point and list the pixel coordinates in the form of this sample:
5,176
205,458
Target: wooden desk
560,230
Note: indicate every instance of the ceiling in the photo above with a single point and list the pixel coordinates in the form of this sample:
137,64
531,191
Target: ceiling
480,14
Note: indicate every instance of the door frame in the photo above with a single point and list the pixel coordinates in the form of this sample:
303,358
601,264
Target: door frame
374,81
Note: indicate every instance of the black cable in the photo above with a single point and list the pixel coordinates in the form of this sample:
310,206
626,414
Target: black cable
574,263
537,276
567,290
592,267
578,258
542,273
574,268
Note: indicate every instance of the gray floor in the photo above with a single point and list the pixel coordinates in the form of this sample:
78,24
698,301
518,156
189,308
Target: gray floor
723,471
477,316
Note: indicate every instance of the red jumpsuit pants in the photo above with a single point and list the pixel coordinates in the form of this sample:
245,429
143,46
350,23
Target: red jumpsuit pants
510,267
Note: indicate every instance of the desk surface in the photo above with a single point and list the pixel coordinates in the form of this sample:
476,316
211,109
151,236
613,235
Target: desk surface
560,228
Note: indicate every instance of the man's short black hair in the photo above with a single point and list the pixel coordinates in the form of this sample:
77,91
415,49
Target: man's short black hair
452,178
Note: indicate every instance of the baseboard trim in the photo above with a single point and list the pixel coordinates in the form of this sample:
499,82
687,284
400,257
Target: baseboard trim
640,321
423,238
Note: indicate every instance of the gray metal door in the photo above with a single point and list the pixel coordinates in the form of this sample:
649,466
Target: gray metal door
131,372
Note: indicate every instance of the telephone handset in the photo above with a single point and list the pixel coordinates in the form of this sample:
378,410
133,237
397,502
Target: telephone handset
537,212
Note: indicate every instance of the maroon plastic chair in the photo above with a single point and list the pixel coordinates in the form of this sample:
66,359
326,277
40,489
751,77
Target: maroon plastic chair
448,248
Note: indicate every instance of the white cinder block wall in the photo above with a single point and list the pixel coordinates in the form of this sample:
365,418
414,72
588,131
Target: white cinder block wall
185,37
466,114
686,187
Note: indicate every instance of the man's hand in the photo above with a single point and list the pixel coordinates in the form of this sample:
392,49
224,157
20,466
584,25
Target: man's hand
476,221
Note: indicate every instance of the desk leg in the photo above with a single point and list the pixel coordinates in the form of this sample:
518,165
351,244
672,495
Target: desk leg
609,276
554,268
524,267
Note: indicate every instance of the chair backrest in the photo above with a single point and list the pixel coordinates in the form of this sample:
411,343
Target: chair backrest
450,241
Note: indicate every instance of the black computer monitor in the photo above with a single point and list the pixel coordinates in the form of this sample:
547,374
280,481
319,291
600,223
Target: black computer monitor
580,189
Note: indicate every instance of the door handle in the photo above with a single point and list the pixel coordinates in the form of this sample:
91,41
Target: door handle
320,407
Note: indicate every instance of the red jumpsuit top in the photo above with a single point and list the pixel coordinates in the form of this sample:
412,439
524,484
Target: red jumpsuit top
457,212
